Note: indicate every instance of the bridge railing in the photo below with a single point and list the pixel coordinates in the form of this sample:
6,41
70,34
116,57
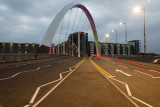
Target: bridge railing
4,58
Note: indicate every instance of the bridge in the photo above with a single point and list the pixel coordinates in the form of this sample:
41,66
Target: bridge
67,81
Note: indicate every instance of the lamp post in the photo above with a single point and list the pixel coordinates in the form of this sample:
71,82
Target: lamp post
137,10
116,34
107,36
125,30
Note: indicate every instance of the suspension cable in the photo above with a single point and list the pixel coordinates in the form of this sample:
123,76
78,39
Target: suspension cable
84,23
68,25
74,20
79,20
61,29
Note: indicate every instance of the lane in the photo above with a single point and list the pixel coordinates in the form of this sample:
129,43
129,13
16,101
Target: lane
21,67
135,66
143,87
19,90
147,66
85,87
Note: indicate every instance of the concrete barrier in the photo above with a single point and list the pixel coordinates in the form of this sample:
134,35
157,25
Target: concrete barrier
5,58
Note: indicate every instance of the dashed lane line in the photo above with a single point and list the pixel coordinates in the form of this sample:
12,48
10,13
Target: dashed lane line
140,64
59,61
128,90
154,71
122,66
106,76
23,72
146,74
27,63
113,63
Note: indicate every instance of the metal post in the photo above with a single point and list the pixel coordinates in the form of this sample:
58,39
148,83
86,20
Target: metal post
144,34
116,36
126,32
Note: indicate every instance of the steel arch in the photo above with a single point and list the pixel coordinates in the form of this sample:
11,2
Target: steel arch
48,37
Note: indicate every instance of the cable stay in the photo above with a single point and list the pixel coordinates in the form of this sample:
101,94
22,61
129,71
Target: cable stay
74,21
79,21
88,27
84,23
68,25
61,29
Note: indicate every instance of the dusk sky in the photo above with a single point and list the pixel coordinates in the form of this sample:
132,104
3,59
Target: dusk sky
26,21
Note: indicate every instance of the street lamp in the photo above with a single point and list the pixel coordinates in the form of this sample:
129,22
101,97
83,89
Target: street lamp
107,36
125,30
116,34
137,9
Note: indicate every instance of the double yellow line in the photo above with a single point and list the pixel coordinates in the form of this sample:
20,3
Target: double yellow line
99,68
80,62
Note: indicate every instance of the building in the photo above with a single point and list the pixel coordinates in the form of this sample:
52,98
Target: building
10,48
78,44
135,47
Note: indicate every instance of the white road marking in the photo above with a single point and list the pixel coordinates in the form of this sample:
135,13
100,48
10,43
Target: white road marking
59,61
146,74
123,66
37,90
26,105
142,102
129,92
113,63
34,96
117,70
22,73
154,71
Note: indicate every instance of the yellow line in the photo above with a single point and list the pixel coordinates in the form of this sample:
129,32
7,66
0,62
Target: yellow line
99,68
80,62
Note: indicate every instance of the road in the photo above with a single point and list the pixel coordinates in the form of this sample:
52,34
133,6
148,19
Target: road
78,82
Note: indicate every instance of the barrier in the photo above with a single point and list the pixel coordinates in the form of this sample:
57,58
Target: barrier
5,58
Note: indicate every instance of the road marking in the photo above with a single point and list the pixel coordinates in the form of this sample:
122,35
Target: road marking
142,102
61,78
99,68
146,74
23,72
123,66
129,65
128,91
113,63
154,71
27,63
137,64
59,61
117,70
26,105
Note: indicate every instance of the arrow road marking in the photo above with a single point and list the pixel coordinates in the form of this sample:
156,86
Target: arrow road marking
117,70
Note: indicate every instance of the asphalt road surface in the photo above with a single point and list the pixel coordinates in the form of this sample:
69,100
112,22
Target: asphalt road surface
80,82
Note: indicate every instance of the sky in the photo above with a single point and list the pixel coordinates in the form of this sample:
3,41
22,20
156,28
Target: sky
26,21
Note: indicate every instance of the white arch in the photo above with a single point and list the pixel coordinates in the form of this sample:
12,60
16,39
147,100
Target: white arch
47,39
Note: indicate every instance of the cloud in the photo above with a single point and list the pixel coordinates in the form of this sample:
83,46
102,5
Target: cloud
28,20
